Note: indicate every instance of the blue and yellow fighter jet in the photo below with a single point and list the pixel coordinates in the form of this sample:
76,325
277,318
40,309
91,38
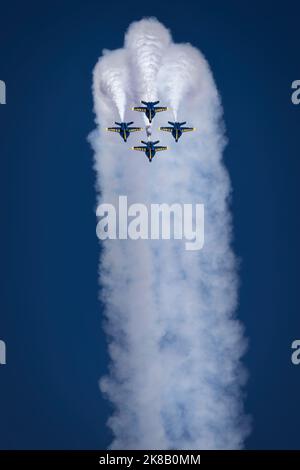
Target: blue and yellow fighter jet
150,149
177,129
124,130
150,109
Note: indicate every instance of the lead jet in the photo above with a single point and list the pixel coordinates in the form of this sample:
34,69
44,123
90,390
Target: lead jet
177,129
150,149
124,130
150,109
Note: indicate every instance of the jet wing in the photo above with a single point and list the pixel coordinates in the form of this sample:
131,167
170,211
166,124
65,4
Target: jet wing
141,149
158,149
141,109
134,129
160,108
113,129
167,129
187,129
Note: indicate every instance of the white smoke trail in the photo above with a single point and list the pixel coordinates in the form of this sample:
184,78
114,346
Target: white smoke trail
146,42
111,81
180,74
175,345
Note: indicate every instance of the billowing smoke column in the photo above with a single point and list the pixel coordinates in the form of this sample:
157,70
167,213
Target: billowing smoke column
175,376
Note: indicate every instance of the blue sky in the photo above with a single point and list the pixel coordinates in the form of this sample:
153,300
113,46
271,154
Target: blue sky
50,313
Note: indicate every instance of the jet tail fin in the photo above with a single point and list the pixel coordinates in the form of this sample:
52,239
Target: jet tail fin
182,123
143,142
144,102
171,123
118,123
156,142
155,103
129,123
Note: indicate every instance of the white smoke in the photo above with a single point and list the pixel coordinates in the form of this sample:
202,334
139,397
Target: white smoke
111,81
180,74
175,345
146,42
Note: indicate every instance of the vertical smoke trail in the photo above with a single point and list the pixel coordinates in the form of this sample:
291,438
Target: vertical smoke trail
111,81
175,345
179,75
146,42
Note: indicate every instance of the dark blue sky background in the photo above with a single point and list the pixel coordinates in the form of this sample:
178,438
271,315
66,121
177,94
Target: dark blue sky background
50,316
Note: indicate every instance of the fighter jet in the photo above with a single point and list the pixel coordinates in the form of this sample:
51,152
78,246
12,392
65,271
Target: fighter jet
124,130
150,149
177,129
150,109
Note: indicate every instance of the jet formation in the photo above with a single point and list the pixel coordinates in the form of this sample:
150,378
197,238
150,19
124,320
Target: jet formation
150,109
